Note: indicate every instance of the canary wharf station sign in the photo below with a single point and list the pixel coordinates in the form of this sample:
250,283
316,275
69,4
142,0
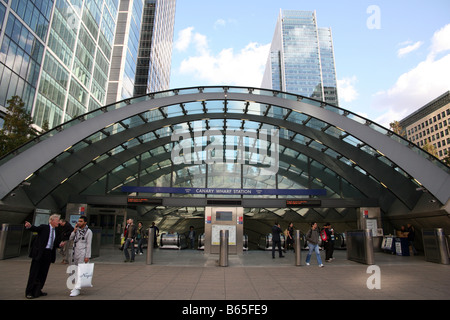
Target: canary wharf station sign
226,191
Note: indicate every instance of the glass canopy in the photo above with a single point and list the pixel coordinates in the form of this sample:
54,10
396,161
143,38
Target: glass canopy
172,146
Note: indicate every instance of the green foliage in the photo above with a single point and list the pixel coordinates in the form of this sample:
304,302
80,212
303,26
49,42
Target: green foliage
17,129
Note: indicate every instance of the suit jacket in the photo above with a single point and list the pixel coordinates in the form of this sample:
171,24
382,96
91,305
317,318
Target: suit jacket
276,233
40,242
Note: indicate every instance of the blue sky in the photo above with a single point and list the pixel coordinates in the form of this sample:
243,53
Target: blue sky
392,57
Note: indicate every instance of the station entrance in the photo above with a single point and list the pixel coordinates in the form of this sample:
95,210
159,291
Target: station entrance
248,220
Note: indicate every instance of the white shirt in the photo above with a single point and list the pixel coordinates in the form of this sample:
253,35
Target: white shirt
51,238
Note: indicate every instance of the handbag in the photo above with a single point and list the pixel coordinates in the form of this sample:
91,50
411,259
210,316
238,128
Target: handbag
84,275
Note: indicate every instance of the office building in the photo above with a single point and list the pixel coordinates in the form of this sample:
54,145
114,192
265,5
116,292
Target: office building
155,47
301,58
67,57
430,126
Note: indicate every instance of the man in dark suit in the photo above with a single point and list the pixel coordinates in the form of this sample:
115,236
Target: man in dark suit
43,252
276,240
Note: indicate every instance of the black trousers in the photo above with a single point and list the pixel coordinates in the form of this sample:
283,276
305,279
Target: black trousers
277,243
38,274
329,248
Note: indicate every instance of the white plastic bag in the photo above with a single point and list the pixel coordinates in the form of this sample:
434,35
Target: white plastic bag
84,275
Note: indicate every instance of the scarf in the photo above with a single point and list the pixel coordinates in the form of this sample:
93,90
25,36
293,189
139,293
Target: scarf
80,234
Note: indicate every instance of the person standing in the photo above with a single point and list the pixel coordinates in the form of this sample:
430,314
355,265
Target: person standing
312,238
66,230
191,236
328,242
129,241
43,253
82,242
276,240
411,235
290,243
156,234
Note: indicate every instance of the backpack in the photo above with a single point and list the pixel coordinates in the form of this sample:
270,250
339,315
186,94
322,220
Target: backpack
323,235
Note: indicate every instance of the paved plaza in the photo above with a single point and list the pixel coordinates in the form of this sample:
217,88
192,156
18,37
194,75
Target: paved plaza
194,275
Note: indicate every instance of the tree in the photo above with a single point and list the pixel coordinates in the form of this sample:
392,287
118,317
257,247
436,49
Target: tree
446,159
431,149
17,128
397,128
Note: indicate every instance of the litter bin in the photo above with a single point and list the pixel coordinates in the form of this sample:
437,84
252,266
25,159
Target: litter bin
360,246
96,240
10,240
435,245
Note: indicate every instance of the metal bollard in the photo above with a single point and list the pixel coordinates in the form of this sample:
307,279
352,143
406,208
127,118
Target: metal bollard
370,258
223,256
298,248
150,243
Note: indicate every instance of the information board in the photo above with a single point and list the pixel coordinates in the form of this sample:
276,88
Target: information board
215,234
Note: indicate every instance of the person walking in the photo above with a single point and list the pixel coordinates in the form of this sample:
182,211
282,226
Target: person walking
42,253
140,234
276,240
312,238
82,243
129,241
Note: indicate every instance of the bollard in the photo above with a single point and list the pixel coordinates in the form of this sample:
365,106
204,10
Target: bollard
150,243
298,249
370,258
223,256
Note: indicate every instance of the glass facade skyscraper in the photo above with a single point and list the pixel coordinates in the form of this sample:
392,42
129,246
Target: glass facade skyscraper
301,58
125,50
155,47
67,57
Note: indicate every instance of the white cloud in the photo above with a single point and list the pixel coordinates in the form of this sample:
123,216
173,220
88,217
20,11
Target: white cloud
243,68
223,23
219,23
408,49
346,89
415,88
184,39
441,40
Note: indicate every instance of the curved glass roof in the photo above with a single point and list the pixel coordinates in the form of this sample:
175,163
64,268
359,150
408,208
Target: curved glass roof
317,147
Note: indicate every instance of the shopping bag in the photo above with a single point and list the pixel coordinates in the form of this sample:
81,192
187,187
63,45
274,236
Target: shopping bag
84,275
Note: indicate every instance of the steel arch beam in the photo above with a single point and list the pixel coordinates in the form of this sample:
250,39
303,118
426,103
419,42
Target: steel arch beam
398,184
42,186
433,178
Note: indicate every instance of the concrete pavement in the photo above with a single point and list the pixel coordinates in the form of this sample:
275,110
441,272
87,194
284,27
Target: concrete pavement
193,275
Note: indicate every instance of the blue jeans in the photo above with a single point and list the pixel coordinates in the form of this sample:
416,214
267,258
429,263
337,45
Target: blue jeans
314,247
129,244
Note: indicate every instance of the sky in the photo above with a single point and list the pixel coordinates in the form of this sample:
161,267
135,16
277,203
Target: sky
392,57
